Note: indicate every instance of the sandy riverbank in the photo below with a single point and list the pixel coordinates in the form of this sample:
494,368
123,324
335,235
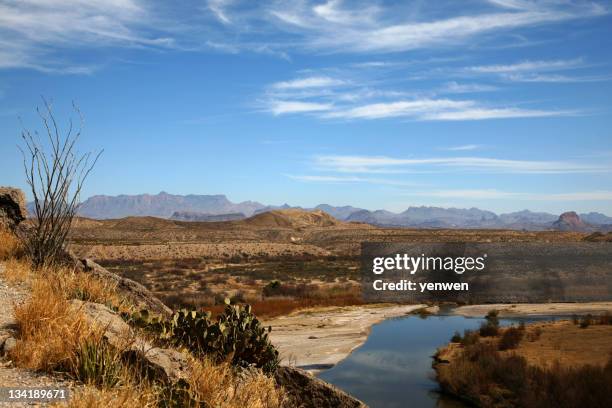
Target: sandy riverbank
319,338
524,309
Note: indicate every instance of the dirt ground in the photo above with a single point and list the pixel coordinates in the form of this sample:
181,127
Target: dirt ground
523,309
568,344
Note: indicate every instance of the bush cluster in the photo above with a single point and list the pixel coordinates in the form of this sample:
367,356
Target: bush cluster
236,336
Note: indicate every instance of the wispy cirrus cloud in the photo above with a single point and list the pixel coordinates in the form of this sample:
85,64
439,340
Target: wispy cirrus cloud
33,30
463,148
418,109
529,66
385,164
308,82
349,180
285,107
381,32
539,71
37,30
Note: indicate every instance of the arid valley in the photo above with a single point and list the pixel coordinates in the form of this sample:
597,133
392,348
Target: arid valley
299,269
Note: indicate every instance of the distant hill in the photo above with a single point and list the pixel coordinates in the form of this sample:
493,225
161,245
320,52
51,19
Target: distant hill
342,213
293,218
570,221
219,208
162,205
204,217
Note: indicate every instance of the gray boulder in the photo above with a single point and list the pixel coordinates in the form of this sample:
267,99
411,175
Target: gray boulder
159,364
306,391
12,207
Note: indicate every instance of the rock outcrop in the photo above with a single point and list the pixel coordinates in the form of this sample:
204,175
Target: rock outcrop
12,207
161,364
136,293
306,391
570,221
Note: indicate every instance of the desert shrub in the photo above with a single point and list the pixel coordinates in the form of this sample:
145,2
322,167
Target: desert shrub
456,337
605,318
510,338
301,290
55,172
534,334
491,326
236,335
485,377
213,385
97,363
49,332
17,270
469,338
10,245
422,312
129,396
586,321
237,297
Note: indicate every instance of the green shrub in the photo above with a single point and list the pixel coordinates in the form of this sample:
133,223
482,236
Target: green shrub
456,337
97,363
236,335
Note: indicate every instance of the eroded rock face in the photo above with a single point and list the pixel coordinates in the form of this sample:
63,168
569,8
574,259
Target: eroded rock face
570,221
140,296
160,364
306,391
12,207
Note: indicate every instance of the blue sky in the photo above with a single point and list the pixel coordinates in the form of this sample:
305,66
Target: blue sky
498,104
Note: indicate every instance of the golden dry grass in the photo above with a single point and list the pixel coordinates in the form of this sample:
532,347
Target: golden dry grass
17,270
125,397
10,245
50,332
218,386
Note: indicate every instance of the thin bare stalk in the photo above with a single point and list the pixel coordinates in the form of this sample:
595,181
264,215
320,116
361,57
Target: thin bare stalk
55,173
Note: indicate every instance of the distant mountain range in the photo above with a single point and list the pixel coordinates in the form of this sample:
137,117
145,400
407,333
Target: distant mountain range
218,208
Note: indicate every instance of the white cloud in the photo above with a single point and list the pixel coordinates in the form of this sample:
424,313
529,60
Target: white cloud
384,164
536,66
553,78
348,180
437,110
217,7
308,82
493,113
284,107
390,37
399,108
454,87
32,30
464,147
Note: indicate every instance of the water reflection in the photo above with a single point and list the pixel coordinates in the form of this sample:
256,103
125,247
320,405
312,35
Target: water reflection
393,368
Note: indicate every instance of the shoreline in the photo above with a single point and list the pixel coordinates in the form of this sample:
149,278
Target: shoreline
319,338
532,309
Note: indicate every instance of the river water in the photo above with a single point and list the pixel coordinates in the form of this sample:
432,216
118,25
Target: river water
393,367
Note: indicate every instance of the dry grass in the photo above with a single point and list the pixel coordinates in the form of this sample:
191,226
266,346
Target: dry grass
50,333
219,386
17,270
125,397
488,378
10,245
